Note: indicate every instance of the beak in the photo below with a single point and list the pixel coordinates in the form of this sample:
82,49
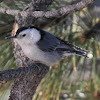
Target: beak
10,37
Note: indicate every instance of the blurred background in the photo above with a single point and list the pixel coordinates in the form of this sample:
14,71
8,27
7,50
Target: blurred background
75,78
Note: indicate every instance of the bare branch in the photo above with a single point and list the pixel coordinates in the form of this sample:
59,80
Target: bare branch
24,87
49,14
12,74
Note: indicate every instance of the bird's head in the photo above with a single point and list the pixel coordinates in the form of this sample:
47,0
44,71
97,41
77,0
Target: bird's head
26,36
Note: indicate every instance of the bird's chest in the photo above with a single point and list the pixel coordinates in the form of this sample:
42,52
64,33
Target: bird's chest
36,54
32,52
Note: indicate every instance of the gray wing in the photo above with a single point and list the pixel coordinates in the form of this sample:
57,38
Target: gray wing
49,43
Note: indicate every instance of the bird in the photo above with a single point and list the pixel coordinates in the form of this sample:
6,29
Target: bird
44,47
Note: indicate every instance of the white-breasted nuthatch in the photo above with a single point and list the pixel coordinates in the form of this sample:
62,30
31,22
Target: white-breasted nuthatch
44,47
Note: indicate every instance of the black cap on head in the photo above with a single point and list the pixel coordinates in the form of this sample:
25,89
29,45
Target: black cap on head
24,28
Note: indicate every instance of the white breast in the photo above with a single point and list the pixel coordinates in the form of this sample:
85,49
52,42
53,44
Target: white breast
32,52
37,55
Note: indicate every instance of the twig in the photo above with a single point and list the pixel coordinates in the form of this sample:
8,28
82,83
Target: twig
49,14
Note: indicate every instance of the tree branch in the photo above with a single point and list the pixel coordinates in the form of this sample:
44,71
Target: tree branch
49,14
12,74
24,87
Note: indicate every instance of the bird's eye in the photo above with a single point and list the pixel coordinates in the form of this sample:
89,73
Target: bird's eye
24,35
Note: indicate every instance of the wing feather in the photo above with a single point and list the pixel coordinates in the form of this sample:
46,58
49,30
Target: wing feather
50,43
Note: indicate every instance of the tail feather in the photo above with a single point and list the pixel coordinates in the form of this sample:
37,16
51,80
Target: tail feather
80,53
75,50
76,47
71,49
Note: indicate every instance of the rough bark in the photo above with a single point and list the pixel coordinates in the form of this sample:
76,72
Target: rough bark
24,87
48,14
